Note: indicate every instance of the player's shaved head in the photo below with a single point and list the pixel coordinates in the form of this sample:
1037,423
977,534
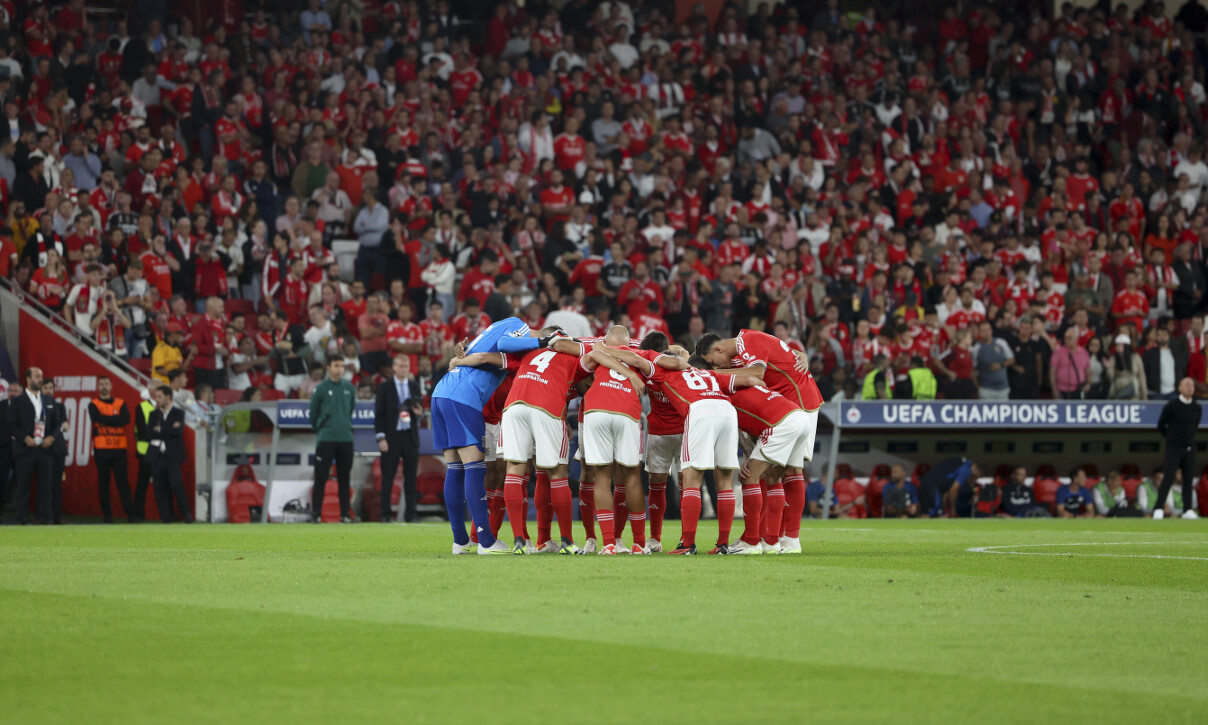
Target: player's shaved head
617,336
656,341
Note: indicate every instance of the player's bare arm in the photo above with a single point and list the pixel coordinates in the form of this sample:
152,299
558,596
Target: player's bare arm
480,359
594,359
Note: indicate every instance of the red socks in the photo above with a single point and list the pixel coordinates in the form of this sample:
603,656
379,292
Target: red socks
637,523
725,515
773,512
495,510
690,515
752,509
604,518
513,501
620,511
560,499
587,508
545,511
658,508
794,505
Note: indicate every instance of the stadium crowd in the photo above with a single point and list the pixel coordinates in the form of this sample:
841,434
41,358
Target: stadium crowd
959,204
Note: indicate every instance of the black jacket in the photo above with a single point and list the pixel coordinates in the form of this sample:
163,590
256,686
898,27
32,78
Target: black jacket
21,421
386,407
1152,362
56,417
171,432
1191,279
1179,422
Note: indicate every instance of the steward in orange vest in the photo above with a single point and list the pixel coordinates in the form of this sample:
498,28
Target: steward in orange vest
110,446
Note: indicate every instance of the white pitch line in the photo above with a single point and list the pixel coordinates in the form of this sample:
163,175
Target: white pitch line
994,550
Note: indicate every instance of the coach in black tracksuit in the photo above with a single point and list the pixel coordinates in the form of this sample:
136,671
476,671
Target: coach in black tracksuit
396,415
1178,424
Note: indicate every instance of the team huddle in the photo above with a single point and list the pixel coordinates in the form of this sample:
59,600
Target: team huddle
502,407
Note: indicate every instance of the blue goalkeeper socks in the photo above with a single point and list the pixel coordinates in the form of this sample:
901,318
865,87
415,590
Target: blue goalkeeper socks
455,501
476,497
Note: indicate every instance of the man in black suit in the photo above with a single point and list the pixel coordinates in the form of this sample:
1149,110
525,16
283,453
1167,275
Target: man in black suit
396,415
32,439
166,455
56,420
6,443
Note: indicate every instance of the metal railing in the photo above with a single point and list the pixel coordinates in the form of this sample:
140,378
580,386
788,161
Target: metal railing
58,321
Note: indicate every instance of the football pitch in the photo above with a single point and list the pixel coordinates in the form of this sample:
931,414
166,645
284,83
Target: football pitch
911,621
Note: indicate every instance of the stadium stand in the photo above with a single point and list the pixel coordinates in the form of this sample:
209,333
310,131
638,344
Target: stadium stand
857,185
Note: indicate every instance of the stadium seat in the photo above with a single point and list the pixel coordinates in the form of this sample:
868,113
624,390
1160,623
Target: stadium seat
1201,492
1130,469
873,492
226,397
242,494
1092,471
331,502
847,491
142,364
347,264
881,470
1046,470
843,470
371,495
431,464
1002,474
240,307
1045,490
268,394
430,488
1130,484
920,470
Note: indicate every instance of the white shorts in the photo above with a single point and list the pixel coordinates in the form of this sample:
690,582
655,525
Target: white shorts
526,432
662,452
811,436
490,442
608,438
710,436
784,444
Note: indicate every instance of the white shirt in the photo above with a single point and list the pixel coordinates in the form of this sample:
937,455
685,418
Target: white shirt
36,398
1166,381
239,381
318,339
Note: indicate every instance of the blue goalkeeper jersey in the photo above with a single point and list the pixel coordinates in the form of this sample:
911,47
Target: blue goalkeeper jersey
474,386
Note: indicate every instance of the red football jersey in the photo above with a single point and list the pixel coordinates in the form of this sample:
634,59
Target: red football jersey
685,387
543,380
407,333
780,374
493,413
760,409
610,391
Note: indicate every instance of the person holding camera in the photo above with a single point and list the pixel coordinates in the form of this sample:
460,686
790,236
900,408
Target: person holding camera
130,290
110,326
397,412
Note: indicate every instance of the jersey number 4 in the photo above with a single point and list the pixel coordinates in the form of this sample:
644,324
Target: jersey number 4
542,361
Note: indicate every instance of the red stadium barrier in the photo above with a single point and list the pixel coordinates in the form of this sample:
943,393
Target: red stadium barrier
75,371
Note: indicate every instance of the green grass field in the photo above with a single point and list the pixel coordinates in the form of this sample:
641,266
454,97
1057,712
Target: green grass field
877,621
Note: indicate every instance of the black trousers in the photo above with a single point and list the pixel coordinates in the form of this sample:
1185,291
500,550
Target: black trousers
169,485
113,466
326,453
39,463
6,472
56,487
140,492
401,446
1178,457
216,379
